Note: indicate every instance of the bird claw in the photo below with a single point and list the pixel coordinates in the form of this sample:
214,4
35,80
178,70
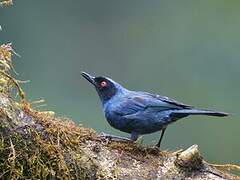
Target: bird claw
113,137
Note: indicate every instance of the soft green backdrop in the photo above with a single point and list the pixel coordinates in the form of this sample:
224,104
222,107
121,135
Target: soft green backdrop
188,50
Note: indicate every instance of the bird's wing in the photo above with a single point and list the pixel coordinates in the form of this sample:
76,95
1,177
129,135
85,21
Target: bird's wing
128,106
140,101
168,100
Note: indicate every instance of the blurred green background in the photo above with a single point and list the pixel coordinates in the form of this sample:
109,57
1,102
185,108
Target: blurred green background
188,50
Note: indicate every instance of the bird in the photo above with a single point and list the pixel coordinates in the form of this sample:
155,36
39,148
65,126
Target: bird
138,112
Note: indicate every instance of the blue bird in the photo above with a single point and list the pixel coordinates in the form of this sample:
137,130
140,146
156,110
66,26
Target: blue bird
138,112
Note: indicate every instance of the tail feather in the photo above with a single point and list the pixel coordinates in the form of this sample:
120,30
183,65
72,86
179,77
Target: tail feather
186,112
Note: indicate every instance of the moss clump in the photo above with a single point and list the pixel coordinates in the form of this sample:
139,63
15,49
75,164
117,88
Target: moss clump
47,147
7,82
6,2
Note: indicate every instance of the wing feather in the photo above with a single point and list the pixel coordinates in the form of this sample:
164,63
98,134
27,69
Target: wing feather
140,101
170,101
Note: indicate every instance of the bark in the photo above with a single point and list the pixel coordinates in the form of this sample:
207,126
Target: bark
37,145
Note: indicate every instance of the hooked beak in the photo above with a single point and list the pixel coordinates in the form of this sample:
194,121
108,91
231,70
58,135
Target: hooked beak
88,77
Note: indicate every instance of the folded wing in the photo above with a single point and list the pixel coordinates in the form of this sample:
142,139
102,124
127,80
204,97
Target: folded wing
140,101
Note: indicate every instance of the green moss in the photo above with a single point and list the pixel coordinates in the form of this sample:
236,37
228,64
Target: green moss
39,154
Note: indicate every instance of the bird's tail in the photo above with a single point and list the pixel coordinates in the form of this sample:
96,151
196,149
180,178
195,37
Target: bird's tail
186,112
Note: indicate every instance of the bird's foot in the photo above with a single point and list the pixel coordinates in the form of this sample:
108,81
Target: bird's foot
113,137
157,146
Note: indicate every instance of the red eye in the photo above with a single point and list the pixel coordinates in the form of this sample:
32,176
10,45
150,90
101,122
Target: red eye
103,84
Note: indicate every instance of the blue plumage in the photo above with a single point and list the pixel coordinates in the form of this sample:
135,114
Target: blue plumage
138,112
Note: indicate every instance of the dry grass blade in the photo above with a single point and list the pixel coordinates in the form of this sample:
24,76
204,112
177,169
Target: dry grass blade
6,80
226,167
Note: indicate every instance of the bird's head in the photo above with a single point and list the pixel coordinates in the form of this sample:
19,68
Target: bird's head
105,87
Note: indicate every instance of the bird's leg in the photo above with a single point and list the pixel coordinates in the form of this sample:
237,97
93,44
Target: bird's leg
159,142
134,136
114,137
